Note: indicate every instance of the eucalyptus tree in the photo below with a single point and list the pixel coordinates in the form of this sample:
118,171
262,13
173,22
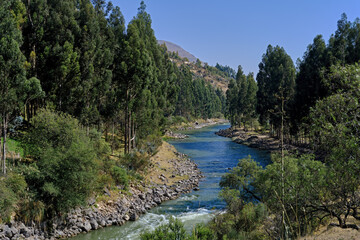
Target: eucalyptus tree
276,83
12,71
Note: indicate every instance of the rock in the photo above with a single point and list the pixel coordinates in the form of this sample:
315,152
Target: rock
103,223
157,200
196,189
8,232
126,217
142,196
107,192
25,231
134,217
94,224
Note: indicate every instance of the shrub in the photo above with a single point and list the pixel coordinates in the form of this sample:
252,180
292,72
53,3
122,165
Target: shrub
7,202
120,176
65,166
173,230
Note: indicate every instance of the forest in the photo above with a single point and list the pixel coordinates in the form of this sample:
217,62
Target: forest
86,99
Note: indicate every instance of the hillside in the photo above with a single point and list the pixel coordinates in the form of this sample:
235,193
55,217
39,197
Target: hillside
172,47
213,75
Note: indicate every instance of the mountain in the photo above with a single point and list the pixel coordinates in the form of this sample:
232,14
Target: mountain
172,47
216,77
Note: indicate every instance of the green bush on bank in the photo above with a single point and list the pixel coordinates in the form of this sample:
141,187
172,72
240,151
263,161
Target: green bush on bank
65,161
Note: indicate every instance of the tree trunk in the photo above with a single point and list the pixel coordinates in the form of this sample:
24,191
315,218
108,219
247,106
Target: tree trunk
129,132
4,143
133,135
125,130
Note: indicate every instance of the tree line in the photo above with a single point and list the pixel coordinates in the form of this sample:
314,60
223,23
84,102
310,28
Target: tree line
299,87
79,58
318,98
87,99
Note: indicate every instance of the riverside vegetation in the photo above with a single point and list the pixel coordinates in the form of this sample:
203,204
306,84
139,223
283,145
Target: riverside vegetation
87,100
315,106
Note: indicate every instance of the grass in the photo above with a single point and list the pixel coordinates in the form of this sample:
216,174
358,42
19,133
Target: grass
13,146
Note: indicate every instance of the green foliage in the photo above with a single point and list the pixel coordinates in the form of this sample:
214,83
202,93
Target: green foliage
135,161
241,99
7,202
64,167
276,81
31,210
120,176
12,191
334,128
172,231
244,222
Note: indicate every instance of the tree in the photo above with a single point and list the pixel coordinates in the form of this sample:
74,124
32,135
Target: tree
309,85
335,133
276,83
12,72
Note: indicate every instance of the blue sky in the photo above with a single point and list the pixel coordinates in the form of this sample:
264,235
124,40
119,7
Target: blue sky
237,32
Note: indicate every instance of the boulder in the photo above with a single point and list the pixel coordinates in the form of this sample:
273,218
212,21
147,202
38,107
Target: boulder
94,224
8,232
134,217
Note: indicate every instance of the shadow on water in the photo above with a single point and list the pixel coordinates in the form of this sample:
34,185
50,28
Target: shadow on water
214,156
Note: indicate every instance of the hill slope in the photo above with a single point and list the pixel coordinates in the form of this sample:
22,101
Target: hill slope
212,75
172,47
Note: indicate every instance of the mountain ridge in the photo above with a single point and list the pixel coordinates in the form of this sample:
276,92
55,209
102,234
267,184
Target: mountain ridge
172,47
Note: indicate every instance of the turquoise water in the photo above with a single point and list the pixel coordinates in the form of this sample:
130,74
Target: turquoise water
214,156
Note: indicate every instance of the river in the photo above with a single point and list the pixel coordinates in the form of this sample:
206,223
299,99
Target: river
214,156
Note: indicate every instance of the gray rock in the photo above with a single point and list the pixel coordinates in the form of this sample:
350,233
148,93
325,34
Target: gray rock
134,217
87,226
126,217
157,200
8,232
94,224
25,231
142,196
103,223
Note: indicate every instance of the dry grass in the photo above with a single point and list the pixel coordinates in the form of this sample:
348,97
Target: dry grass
333,233
162,163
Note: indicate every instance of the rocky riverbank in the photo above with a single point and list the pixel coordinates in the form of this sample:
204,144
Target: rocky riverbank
259,141
200,123
171,175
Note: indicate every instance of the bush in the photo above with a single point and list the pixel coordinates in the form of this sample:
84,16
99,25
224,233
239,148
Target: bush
7,202
120,176
64,169
12,191
135,161
173,230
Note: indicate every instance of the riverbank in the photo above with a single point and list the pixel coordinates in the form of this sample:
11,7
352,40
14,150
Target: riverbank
173,132
260,141
170,175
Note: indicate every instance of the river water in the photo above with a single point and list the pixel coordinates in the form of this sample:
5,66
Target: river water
214,156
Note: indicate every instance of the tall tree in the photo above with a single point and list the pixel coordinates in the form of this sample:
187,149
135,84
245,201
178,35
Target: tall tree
12,71
309,85
276,82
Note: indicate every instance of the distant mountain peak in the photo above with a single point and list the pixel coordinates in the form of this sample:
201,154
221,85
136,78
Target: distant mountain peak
172,47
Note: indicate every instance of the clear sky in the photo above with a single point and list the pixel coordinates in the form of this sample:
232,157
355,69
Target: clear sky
237,32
